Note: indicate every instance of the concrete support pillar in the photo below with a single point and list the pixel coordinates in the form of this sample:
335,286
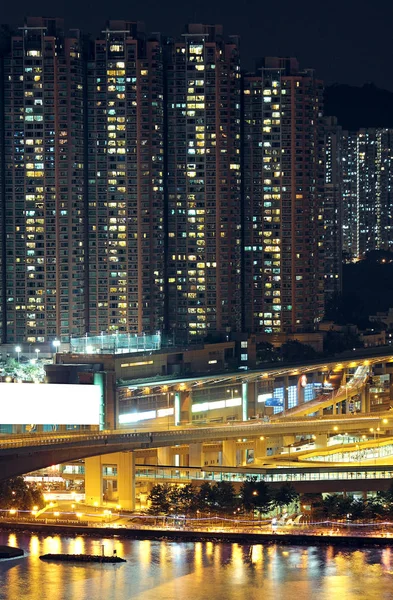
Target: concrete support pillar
391,390
260,448
93,480
241,456
300,390
286,384
274,444
126,480
177,407
245,401
320,440
195,455
185,407
288,439
164,456
183,460
365,399
252,394
286,443
229,453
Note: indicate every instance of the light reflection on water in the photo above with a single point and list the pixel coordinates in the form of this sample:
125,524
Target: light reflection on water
200,571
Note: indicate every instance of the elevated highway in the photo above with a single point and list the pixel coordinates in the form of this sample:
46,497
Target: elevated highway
29,452
358,358
345,392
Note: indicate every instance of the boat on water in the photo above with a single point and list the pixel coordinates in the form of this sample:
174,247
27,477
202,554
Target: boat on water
83,558
7,552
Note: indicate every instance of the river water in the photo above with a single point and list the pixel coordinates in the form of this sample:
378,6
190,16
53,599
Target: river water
194,571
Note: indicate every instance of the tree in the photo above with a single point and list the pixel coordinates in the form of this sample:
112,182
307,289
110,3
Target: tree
357,509
295,351
336,506
248,492
335,342
263,497
285,495
224,497
315,502
16,493
160,499
205,498
386,495
266,352
183,498
374,509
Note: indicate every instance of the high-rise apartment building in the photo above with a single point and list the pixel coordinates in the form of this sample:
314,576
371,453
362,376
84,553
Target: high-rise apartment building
283,199
333,208
144,185
43,184
349,194
367,191
204,206
126,181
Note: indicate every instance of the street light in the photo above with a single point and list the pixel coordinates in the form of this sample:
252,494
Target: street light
37,351
56,344
18,350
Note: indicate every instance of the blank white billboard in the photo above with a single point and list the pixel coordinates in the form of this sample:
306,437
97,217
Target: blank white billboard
49,403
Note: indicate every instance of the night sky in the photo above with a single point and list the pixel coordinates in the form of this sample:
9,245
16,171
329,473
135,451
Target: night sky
346,41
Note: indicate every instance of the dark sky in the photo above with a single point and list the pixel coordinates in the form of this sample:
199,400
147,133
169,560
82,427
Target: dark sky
346,41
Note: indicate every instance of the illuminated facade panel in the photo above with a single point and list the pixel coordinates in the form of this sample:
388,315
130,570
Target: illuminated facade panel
59,404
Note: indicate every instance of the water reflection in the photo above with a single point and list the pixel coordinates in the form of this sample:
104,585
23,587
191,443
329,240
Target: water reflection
201,571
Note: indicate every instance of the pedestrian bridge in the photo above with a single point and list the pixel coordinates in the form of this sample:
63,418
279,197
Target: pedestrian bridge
311,479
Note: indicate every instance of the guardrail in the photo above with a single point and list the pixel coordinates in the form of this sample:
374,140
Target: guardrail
119,438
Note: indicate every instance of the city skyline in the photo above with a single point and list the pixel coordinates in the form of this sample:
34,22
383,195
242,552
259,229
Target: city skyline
123,202
150,184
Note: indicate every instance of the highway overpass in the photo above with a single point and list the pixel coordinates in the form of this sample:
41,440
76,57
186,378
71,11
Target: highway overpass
23,454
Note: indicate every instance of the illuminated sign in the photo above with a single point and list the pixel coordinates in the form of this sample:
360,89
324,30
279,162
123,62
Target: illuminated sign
264,397
303,380
135,417
45,403
203,406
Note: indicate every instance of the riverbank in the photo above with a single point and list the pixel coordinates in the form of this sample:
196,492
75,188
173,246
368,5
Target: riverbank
176,535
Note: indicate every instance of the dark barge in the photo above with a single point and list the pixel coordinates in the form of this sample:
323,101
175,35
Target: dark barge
83,558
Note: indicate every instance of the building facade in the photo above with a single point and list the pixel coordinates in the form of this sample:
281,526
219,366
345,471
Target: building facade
333,208
204,208
146,186
43,185
283,199
367,191
126,181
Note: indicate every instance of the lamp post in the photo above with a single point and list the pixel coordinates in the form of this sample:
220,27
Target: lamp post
56,345
37,351
18,350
